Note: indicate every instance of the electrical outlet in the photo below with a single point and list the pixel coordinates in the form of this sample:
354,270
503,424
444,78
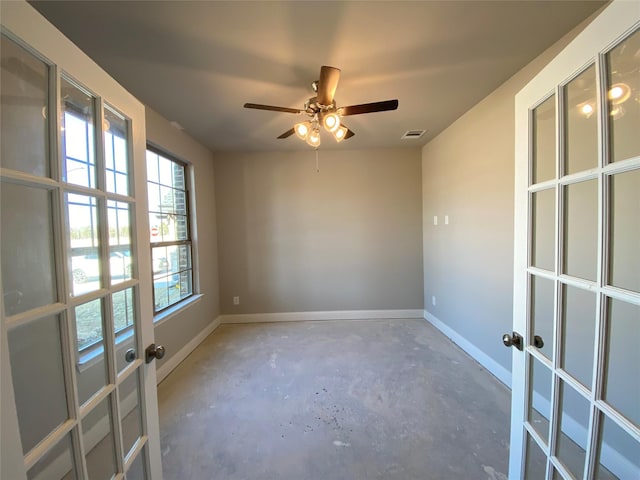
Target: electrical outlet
236,300
433,300
446,219
435,220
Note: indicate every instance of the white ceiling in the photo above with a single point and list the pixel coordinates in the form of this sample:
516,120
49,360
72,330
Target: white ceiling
197,63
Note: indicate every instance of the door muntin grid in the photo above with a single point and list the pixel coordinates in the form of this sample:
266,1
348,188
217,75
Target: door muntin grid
574,439
63,448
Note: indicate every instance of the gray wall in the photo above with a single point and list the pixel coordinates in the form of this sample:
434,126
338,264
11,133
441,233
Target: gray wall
468,174
345,238
175,332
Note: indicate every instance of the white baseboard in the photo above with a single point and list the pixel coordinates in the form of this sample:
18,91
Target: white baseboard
180,355
327,315
610,458
478,355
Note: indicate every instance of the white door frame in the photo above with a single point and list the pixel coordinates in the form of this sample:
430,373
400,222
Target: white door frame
613,23
25,23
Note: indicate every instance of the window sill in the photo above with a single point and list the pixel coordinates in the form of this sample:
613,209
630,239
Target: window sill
175,309
93,355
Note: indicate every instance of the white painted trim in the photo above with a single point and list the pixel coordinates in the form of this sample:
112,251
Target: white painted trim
614,461
478,355
327,315
176,359
173,310
63,463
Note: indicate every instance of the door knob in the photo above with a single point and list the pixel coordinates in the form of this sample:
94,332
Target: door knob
154,351
515,340
537,341
130,355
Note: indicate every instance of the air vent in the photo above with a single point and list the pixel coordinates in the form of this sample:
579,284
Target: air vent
413,134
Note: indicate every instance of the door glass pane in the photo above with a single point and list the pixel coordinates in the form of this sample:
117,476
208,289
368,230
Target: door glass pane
581,229
536,461
619,453
38,378
578,333
581,130
138,469
130,418
116,152
624,270
542,312
97,433
124,326
544,146
92,368
556,475
623,85
24,87
121,266
539,398
622,382
574,428
544,227
28,276
83,240
78,144
57,464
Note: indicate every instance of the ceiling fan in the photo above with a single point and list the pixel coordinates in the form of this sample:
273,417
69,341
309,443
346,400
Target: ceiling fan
322,110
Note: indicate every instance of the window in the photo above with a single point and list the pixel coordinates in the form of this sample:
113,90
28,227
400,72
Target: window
98,211
169,230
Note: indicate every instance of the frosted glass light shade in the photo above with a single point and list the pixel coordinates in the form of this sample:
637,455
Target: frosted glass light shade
340,133
302,129
314,138
331,122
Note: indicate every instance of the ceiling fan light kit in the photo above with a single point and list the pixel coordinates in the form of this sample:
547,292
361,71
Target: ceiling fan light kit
302,130
322,110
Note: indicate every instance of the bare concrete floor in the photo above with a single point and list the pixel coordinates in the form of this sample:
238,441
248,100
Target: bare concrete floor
330,400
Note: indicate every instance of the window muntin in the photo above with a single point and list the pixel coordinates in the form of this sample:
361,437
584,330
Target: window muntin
170,235
78,145
119,222
81,168
116,155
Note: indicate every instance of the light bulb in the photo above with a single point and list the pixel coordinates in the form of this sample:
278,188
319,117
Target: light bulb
314,138
340,133
619,93
302,130
331,122
587,109
615,93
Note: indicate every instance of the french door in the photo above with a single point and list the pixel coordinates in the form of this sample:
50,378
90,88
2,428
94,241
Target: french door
78,396
576,371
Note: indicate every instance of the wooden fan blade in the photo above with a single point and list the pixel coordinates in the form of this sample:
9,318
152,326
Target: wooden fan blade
288,133
329,77
272,108
369,108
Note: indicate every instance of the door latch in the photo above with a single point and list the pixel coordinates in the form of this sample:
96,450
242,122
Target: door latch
153,351
513,340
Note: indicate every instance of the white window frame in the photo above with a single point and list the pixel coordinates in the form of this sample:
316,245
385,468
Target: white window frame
168,311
